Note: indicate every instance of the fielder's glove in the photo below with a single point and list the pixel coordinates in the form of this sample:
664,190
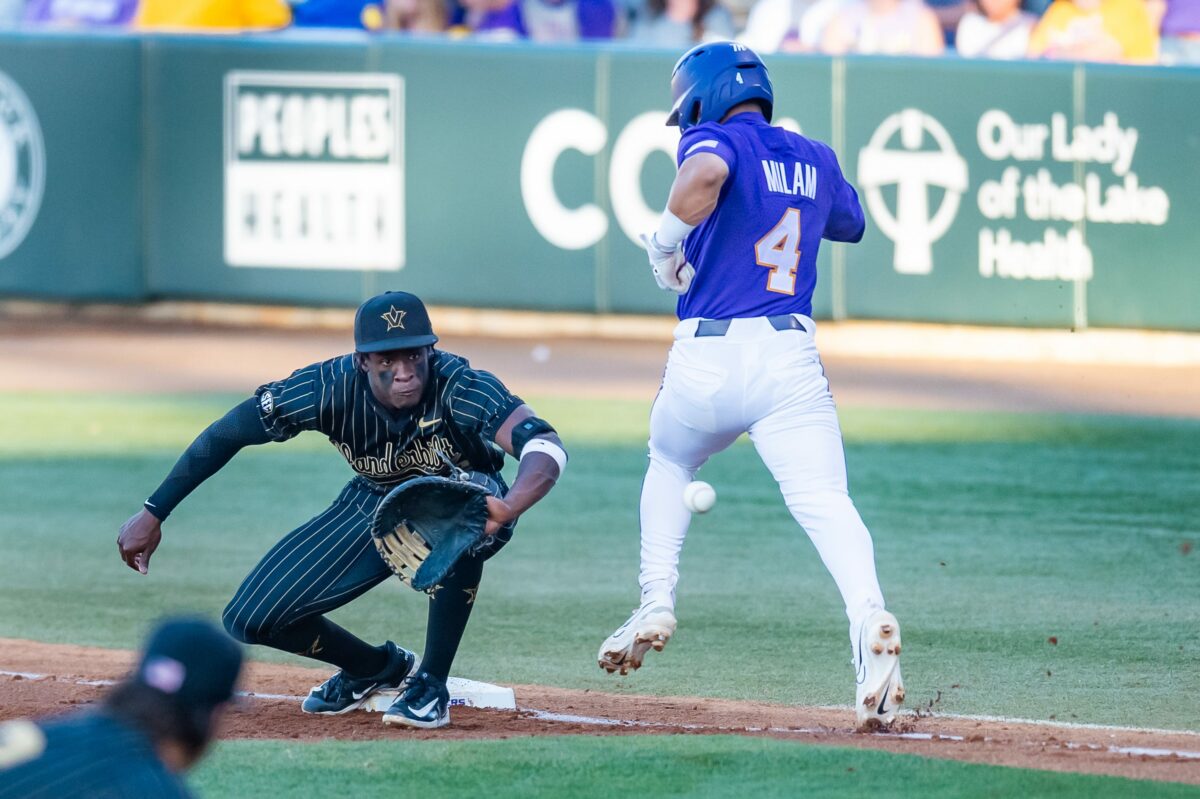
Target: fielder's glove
671,270
425,525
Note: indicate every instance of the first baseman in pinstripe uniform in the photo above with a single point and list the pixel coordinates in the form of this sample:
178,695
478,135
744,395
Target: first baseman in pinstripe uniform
396,409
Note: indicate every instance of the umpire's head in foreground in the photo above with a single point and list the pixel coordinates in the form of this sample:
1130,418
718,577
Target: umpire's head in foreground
154,725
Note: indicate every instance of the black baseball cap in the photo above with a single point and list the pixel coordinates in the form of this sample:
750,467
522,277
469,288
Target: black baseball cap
394,320
192,661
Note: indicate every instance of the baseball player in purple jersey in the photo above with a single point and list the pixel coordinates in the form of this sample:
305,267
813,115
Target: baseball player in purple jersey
738,242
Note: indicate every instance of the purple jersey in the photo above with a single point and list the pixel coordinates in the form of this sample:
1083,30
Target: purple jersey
756,255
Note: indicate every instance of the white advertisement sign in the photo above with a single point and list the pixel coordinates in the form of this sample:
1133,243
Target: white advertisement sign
314,170
1109,193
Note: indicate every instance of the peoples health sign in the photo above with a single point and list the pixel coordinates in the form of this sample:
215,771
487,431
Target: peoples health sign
314,170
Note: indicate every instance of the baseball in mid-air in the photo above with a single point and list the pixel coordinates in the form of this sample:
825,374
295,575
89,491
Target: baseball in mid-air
699,496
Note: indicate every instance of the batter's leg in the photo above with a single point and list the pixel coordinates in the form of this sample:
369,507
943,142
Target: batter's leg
677,450
801,444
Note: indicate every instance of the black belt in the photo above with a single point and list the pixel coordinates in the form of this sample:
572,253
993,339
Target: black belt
719,327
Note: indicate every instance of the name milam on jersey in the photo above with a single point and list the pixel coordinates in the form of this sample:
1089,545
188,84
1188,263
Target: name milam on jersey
419,457
802,183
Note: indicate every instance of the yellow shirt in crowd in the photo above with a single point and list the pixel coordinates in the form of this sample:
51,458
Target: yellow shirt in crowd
1065,25
212,14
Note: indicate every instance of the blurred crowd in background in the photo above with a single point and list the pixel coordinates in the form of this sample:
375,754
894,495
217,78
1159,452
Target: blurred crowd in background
1121,31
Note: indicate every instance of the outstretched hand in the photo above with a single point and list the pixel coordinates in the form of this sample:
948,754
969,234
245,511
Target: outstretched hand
138,539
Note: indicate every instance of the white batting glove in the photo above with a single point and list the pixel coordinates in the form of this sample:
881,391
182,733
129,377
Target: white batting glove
671,270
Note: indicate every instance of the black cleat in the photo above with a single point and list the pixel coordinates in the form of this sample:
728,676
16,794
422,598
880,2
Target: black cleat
425,703
342,693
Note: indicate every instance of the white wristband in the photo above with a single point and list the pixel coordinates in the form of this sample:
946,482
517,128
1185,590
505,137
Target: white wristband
672,230
547,447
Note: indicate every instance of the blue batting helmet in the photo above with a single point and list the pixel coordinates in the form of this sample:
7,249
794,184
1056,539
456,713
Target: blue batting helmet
712,78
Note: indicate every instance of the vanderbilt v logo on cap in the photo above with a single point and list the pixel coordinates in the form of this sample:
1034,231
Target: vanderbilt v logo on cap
394,320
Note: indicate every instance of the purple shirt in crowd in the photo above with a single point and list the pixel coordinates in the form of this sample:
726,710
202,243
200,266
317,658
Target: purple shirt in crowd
81,12
1182,18
756,255
495,22
544,20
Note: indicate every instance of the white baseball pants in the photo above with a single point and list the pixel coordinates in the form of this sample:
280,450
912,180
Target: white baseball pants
770,384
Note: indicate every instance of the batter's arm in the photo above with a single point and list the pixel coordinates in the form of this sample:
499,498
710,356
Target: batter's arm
211,450
846,220
694,195
697,188
536,475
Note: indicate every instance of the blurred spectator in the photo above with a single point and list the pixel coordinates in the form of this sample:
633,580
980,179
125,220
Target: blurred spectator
337,13
884,27
775,26
738,10
80,12
679,24
149,729
11,12
817,19
1157,9
1095,30
569,20
627,12
999,30
949,13
497,20
1179,22
415,16
215,15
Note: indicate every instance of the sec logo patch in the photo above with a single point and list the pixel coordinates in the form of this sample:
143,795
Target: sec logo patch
22,165
267,402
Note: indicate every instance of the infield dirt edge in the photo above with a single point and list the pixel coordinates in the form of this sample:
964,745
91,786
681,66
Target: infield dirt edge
71,673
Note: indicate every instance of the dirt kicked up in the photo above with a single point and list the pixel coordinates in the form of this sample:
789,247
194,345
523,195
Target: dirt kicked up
38,679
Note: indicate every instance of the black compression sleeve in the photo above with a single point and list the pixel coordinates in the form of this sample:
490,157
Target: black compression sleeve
212,449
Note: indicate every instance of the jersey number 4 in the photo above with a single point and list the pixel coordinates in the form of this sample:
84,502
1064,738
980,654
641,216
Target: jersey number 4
779,251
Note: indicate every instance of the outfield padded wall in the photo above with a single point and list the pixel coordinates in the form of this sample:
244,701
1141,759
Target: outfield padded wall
317,172
71,168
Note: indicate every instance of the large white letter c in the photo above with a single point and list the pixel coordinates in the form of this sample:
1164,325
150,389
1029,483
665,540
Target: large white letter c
570,229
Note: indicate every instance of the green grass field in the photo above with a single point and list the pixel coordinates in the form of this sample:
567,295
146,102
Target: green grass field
686,765
993,534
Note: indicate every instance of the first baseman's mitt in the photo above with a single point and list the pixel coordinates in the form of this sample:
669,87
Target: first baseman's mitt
425,525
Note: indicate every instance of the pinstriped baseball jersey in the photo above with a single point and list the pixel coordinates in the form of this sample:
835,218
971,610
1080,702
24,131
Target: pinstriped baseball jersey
458,416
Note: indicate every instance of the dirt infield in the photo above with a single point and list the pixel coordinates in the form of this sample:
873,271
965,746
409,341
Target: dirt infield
46,679
156,358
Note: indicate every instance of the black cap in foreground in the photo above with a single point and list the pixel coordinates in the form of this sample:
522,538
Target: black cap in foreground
394,320
192,661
